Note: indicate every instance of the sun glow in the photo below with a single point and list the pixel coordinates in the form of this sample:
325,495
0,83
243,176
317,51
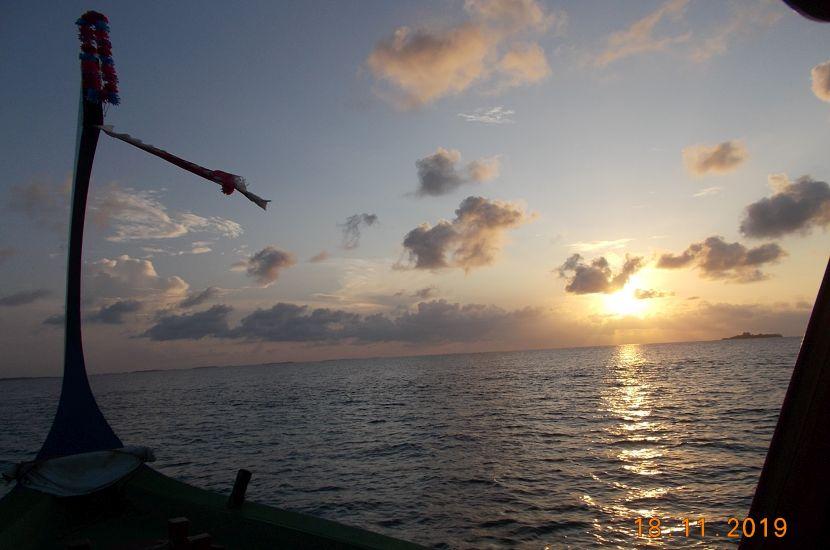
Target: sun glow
625,303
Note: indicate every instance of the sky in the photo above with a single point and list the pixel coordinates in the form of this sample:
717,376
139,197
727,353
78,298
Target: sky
446,176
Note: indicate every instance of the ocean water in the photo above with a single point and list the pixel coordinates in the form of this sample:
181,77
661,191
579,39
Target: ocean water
559,448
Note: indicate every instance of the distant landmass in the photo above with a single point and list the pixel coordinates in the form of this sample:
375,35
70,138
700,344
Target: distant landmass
749,335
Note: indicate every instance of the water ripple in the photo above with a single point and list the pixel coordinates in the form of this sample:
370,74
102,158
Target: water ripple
562,448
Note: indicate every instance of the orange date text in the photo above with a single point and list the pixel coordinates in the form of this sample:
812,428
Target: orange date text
655,528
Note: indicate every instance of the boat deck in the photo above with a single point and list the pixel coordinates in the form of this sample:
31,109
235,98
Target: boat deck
133,515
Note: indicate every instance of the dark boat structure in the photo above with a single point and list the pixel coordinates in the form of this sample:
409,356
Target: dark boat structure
85,489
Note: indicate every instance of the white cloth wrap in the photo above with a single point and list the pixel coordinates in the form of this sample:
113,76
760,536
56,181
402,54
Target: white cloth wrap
81,474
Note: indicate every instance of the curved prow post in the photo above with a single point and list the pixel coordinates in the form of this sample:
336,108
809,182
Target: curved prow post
79,425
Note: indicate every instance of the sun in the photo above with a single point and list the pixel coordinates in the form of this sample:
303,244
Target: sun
624,303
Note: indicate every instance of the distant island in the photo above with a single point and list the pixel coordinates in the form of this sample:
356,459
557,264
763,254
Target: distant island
749,335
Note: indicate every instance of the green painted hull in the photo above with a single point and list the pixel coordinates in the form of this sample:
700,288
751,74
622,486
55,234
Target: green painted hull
134,514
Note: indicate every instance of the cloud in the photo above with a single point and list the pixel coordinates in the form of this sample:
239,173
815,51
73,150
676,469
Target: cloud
494,115
45,204
191,326
512,15
58,319
524,64
265,266
591,246
717,259
351,228
484,169
708,192
198,298
6,252
125,277
746,18
472,239
292,323
321,256
135,215
425,293
596,277
729,319
437,321
423,65
821,80
439,175
113,314
700,320
640,36
198,247
793,208
725,157
428,245
649,294
24,297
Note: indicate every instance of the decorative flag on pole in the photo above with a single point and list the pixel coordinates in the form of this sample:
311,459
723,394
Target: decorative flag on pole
98,77
229,182
99,82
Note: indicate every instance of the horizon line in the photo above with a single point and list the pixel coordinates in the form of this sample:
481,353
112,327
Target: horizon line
365,358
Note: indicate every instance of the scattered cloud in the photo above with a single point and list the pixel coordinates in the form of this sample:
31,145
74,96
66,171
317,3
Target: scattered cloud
437,321
792,208
198,298
708,192
24,297
494,115
199,247
725,157
43,203
321,256
113,314
729,319
265,266
649,294
425,64
58,319
640,37
745,19
513,15
351,228
425,293
666,29
591,246
196,247
125,277
472,239
523,64
135,215
717,259
191,326
701,319
596,277
821,80
484,169
438,173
